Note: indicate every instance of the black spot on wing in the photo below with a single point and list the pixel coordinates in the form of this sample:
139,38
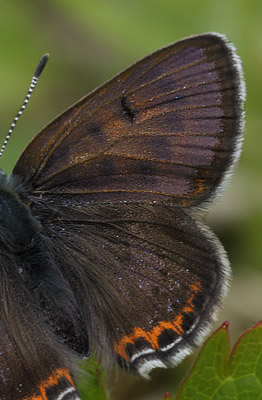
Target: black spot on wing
127,111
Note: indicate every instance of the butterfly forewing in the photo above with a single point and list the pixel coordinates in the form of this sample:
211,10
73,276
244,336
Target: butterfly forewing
165,129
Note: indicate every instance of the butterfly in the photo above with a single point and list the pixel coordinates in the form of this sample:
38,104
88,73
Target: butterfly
104,246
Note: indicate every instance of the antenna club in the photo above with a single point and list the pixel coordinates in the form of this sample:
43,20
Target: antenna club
41,65
38,71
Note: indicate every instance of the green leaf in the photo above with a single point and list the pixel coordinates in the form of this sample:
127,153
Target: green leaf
219,375
92,383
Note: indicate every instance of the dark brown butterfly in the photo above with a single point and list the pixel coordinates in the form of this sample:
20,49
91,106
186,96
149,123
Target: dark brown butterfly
103,242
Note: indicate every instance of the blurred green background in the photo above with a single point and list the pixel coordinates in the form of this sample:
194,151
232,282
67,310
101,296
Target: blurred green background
90,41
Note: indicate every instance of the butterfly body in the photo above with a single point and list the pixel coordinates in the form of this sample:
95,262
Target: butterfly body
103,241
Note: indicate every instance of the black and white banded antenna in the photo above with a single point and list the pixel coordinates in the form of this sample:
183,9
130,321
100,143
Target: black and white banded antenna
38,71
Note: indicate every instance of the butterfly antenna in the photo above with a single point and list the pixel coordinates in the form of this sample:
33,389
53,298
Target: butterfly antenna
35,78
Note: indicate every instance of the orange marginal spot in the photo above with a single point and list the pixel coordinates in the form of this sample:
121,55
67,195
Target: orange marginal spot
56,375
52,380
152,336
178,323
201,186
195,288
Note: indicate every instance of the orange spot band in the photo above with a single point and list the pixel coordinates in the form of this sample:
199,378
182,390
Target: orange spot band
153,335
52,380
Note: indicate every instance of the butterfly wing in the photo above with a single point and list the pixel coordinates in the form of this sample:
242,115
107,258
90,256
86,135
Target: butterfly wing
149,279
113,181
34,364
165,129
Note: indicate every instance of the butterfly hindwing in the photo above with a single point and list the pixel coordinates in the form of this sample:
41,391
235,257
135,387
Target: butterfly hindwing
34,363
149,278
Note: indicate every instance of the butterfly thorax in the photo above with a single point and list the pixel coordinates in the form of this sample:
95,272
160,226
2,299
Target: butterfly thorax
17,226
